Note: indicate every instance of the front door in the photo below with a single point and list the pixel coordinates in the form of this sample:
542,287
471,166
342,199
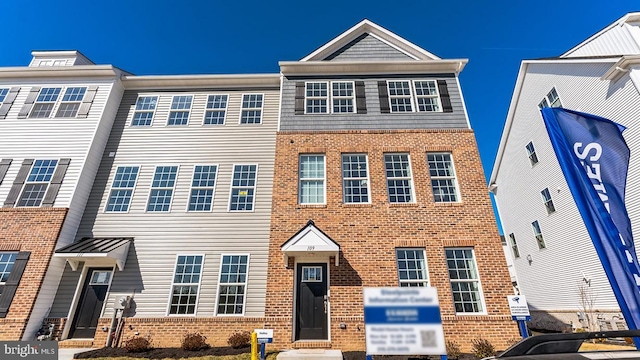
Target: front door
94,292
311,302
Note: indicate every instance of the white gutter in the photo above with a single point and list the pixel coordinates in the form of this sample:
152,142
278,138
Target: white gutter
190,81
309,68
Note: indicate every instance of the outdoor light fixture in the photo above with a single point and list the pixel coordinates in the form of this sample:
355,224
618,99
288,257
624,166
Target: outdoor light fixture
529,259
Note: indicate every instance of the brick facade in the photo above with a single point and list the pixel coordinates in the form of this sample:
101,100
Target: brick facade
34,230
368,234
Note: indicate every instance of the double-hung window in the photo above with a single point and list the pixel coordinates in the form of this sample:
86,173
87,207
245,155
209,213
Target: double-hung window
185,285
162,189
124,182
7,259
202,187
412,267
232,285
46,100
531,153
538,234
355,179
465,281
251,112
243,188
514,246
551,100
443,177
548,202
325,97
180,108
399,179
37,183
216,110
418,95
145,108
312,179
71,101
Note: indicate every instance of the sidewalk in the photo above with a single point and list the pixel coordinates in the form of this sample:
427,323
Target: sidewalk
67,353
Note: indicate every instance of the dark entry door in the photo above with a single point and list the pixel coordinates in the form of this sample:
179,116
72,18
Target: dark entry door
90,304
312,302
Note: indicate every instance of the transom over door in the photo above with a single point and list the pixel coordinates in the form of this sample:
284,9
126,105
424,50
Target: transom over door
312,302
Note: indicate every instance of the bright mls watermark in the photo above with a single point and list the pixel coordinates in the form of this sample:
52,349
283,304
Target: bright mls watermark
29,350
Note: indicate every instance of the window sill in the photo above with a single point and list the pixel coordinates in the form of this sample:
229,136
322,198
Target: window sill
357,205
403,204
302,206
458,203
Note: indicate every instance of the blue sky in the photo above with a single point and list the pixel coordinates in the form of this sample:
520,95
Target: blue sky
210,37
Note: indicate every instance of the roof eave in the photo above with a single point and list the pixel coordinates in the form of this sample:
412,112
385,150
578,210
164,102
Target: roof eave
372,67
79,71
203,81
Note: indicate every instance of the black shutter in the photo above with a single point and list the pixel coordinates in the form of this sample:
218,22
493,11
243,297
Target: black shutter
56,181
28,103
4,167
8,101
87,100
11,285
299,98
444,96
12,197
361,101
384,97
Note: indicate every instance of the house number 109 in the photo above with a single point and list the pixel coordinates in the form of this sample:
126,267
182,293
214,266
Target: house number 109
310,248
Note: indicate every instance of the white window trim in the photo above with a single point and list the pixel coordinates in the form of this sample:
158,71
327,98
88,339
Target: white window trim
246,285
526,149
231,187
133,189
249,109
226,110
55,103
173,274
413,188
437,96
61,102
547,99
191,187
538,233
153,113
427,279
411,95
513,243
454,177
545,202
480,291
367,178
151,188
27,182
324,179
330,97
178,110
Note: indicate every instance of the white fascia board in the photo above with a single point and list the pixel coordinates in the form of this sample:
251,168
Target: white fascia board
59,72
620,67
371,67
191,81
367,26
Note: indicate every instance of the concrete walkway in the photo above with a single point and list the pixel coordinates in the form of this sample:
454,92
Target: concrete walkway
67,353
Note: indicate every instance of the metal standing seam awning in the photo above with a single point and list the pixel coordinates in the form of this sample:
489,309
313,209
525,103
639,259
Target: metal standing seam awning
310,241
96,251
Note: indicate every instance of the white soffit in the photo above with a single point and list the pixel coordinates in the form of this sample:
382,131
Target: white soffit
309,242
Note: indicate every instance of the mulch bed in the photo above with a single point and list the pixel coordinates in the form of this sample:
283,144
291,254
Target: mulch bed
177,353
161,353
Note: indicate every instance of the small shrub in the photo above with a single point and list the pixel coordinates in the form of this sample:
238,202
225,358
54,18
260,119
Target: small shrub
239,339
513,341
137,344
453,350
482,348
194,342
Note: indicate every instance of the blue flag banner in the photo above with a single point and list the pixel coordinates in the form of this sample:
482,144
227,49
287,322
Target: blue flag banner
594,159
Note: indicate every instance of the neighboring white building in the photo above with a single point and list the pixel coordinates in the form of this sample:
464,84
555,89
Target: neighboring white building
553,254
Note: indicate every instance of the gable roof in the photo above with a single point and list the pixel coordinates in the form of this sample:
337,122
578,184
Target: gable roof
368,27
622,37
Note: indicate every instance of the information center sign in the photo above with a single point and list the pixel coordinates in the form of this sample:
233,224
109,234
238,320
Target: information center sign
403,321
519,308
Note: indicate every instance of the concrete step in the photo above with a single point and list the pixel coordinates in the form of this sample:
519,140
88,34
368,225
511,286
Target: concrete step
310,354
